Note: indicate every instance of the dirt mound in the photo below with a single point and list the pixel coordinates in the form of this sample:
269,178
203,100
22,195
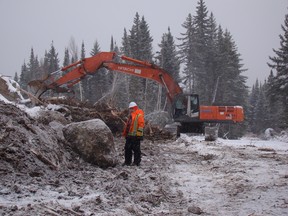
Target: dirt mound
28,147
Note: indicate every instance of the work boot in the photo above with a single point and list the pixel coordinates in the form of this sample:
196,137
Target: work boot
135,164
126,164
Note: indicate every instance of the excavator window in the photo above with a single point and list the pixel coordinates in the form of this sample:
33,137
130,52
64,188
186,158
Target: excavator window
194,103
180,106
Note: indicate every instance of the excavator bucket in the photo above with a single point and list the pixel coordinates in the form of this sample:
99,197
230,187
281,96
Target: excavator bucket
36,88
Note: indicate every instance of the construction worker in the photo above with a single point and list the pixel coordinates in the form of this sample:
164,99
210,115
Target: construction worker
133,132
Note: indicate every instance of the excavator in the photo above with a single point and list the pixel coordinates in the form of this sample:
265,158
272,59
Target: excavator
186,110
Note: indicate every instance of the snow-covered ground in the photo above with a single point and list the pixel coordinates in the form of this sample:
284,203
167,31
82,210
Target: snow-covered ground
238,177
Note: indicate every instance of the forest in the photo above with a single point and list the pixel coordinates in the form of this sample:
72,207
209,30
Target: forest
203,60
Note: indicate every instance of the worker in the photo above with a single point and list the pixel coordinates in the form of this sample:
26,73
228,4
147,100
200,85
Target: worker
133,132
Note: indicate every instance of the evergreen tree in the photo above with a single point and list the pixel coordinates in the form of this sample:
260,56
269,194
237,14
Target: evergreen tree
33,67
82,84
259,112
168,56
211,59
201,41
117,82
136,85
279,63
139,46
258,115
83,55
24,76
16,77
45,65
188,54
96,86
233,89
168,60
96,48
212,63
253,99
125,49
66,60
275,104
145,41
134,38
53,61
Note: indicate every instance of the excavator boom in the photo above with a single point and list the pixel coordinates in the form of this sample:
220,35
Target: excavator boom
78,71
148,72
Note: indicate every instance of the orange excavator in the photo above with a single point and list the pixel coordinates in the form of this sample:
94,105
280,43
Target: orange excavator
186,110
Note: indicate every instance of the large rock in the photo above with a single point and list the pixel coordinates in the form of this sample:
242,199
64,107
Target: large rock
93,140
159,118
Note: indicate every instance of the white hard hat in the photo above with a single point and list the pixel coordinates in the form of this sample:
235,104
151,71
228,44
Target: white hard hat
132,104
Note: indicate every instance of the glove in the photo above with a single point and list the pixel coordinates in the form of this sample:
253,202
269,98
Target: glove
139,132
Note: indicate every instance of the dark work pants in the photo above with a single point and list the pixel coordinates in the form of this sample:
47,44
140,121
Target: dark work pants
132,145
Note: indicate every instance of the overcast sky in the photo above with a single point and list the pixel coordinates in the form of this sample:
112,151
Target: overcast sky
255,26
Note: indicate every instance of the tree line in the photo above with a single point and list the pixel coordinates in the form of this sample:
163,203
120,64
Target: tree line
268,101
205,61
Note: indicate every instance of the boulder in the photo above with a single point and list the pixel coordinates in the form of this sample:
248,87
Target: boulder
159,118
211,133
269,133
93,140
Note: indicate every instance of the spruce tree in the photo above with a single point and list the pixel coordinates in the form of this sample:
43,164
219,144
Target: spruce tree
213,74
97,82
66,60
169,60
117,82
279,64
24,76
53,60
33,67
140,90
260,113
82,83
250,112
125,48
201,41
188,54
233,89
16,77
275,104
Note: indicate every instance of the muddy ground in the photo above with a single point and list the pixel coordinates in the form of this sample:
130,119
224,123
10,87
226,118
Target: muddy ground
184,176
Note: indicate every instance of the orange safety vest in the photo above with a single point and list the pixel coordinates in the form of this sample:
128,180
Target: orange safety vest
135,125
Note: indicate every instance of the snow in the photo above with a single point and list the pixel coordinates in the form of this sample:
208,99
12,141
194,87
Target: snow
4,99
12,86
214,189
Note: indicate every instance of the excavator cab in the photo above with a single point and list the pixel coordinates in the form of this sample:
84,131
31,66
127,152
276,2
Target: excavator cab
186,113
185,107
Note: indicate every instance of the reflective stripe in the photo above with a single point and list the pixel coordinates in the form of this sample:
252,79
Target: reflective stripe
133,133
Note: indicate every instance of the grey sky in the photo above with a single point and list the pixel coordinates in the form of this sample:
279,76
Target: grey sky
254,24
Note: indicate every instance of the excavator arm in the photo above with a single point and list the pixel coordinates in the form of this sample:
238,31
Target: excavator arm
74,74
90,66
148,72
